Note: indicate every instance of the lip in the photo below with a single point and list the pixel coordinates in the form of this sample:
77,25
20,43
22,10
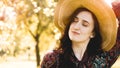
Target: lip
75,32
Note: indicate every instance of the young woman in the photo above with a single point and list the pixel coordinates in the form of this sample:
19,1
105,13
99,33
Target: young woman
87,40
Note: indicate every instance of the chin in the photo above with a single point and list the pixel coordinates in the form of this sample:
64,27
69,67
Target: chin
75,40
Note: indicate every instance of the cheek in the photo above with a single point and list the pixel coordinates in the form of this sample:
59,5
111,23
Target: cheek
71,27
87,32
70,33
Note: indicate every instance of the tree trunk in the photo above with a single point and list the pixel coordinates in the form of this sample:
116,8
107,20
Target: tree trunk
37,51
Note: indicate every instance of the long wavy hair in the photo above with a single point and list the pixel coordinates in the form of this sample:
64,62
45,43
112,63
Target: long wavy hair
94,46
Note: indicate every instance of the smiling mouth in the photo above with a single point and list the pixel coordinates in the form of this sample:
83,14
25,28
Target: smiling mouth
75,32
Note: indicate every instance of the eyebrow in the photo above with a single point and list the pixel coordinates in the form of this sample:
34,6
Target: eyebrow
76,17
83,19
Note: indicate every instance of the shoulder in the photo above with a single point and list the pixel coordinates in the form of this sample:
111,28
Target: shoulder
50,59
105,59
51,56
98,60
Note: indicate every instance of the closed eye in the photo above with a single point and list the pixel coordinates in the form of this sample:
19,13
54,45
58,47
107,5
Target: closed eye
75,19
85,23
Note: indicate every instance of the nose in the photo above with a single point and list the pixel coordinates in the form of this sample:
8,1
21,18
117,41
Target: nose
77,26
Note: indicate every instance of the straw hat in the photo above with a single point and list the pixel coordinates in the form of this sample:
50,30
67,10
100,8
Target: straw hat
103,12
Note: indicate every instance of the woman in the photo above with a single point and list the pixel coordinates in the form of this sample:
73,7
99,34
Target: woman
88,36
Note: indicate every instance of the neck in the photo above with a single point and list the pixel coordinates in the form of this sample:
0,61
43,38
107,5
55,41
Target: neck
79,49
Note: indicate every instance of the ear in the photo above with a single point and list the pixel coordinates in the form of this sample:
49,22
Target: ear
92,35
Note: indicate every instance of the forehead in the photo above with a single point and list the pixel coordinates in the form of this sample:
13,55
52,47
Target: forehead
85,15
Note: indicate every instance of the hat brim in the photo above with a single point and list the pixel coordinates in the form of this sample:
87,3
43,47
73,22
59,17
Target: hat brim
103,12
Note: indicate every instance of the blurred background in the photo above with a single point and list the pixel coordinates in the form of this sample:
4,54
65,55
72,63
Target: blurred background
27,32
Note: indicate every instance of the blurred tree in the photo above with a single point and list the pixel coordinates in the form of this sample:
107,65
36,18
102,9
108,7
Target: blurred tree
28,20
7,26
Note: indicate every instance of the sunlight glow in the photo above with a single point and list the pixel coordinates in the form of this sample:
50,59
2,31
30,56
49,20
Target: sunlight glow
109,2
37,9
48,12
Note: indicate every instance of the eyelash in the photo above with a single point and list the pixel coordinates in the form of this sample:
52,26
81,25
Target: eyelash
75,20
84,23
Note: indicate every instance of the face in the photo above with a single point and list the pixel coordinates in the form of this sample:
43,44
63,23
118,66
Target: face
81,29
